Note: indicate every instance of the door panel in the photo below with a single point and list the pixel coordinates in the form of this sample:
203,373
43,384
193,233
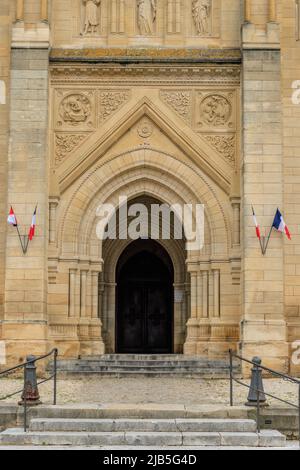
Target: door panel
158,319
144,315
131,318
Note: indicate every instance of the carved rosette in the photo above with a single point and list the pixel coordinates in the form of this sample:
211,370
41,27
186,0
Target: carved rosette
65,144
180,102
145,129
109,102
225,146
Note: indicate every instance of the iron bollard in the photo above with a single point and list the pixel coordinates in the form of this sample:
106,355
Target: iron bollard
257,392
30,396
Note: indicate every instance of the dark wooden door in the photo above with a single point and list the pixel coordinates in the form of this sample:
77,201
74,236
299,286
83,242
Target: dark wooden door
144,307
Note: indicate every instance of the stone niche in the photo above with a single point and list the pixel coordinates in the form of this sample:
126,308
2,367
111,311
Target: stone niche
184,23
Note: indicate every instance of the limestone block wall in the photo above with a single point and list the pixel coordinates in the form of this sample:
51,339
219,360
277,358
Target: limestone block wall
290,69
263,325
5,29
25,312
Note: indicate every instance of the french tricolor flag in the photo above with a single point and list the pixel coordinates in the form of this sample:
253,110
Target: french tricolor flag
32,227
258,233
280,225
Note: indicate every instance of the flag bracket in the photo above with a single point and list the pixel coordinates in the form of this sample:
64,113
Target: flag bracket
278,224
24,241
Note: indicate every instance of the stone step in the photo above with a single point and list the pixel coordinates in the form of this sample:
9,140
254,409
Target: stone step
136,411
142,425
17,437
147,365
205,374
143,364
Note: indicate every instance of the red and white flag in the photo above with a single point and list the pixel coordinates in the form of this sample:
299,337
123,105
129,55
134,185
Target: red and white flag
12,219
32,227
258,233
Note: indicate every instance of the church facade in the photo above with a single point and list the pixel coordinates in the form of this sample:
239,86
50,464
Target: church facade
159,102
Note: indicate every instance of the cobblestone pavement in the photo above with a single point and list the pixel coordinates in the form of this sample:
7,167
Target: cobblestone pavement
96,390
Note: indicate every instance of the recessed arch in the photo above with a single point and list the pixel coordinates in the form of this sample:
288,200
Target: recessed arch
104,186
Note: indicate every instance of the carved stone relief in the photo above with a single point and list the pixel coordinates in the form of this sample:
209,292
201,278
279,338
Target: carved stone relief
146,16
145,128
180,102
91,19
224,144
201,11
110,102
75,110
215,110
65,144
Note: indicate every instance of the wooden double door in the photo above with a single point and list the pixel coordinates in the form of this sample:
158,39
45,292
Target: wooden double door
145,304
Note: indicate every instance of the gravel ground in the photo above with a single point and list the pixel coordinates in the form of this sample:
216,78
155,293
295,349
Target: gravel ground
97,390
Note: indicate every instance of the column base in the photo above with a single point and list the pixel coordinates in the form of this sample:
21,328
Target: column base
190,346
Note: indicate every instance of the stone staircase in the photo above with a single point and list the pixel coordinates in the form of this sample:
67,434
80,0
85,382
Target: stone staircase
142,433
136,427
116,365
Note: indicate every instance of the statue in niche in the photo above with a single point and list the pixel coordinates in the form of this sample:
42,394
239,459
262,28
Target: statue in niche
201,14
146,16
91,21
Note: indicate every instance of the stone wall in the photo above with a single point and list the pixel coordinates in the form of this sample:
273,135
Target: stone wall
4,133
25,286
290,69
263,324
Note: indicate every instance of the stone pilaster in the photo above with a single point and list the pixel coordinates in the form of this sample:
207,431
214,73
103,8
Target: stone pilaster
25,316
5,38
263,324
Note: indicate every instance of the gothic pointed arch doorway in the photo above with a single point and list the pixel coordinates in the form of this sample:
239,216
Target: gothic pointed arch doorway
145,300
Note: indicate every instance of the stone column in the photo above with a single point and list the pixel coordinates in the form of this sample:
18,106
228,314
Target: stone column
190,347
216,293
52,221
20,10
248,11
199,295
272,11
170,16
44,11
95,291
236,222
72,292
114,16
122,16
205,294
83,293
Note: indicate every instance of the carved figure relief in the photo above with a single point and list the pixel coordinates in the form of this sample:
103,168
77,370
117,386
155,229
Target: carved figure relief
110,102
75,109
201,14
179,101
146,16
215,110
91,19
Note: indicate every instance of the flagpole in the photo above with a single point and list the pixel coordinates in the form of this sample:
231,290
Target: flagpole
20,238
268,239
